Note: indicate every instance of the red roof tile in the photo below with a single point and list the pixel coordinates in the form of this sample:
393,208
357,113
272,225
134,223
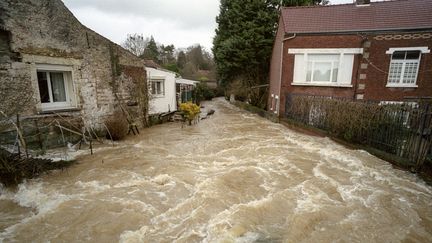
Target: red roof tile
387,15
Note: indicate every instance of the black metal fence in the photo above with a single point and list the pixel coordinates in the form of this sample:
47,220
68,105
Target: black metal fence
402,129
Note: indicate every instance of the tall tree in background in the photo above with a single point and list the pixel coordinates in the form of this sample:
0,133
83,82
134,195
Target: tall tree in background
181,59
243,43
166,54
135,43
151,51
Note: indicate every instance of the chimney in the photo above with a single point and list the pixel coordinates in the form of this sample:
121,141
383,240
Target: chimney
362,2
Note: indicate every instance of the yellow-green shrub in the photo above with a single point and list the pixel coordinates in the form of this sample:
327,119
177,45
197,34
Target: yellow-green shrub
190,110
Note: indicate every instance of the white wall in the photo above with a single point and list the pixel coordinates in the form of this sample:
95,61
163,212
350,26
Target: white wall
167,101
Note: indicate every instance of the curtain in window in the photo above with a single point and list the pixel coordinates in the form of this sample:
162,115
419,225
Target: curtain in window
58,87
43,87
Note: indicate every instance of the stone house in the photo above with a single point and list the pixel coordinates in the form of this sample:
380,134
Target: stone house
51,65
377,51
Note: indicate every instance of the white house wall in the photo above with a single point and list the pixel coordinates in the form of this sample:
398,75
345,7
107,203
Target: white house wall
162,103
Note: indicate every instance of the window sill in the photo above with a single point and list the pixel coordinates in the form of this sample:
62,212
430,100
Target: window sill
401,86
58,110
322,85
158,96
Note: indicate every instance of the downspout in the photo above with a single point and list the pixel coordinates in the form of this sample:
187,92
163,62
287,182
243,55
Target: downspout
280,71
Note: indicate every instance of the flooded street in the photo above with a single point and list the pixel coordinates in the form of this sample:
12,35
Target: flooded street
234,177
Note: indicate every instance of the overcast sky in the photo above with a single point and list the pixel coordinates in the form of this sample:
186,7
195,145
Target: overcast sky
179,22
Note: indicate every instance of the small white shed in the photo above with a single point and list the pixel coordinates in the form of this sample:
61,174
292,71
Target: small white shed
162,88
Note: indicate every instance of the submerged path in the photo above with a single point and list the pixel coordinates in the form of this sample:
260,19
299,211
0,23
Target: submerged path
234,177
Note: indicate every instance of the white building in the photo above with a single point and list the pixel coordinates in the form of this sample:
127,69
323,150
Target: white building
162,90
184,89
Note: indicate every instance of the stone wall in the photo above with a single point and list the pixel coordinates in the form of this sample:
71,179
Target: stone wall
104,75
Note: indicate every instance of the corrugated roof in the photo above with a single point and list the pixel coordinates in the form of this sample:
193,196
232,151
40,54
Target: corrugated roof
386,15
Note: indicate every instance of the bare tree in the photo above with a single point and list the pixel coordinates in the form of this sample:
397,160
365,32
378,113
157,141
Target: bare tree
136,43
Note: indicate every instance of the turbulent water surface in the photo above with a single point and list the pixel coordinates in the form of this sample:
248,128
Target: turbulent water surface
234,177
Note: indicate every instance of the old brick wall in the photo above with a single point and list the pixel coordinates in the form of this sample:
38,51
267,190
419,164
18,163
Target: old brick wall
275,64
370,70
376,66
46,32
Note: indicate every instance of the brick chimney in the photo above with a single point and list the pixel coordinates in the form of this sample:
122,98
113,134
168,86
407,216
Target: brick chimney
362,2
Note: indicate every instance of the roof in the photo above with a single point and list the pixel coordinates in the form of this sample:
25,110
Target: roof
387,15
186,81
151,64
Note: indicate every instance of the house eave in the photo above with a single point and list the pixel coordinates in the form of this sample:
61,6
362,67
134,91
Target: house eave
363,31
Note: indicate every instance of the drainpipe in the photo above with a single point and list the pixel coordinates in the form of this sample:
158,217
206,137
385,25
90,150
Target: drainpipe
280,71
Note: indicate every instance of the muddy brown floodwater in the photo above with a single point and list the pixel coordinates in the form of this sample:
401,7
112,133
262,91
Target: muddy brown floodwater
234,177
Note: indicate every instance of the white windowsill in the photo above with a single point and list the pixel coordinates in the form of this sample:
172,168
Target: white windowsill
401,86
322,84
59,109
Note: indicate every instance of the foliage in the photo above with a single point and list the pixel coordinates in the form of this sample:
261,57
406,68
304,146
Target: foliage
190,111
151,51
117,126
357,122
171,67
181,59
193,62
14,168
135,43
244,39
202,92
166,54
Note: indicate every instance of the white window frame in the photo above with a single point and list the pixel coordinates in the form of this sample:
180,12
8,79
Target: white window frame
68,84
322,51
401,84
332,62
156,80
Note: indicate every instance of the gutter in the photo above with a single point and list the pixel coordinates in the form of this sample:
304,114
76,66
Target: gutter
383,31
280,70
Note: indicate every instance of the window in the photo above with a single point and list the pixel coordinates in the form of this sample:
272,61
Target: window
55,88
157,87
324,67
404,67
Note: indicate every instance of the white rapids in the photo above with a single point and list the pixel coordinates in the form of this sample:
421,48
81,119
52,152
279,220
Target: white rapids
234,177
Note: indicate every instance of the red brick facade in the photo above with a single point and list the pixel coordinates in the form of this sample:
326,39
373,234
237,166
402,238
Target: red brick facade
370,69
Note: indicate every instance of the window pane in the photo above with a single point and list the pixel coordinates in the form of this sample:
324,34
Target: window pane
153,88
395,72
159,90
398,55
335,71
43,87
413,55
309,72
410,73
321,72
58,87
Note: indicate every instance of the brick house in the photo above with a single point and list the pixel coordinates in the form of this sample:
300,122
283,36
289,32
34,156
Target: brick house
61,67
377,51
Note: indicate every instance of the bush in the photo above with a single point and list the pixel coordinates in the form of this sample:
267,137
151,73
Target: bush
384,126
190,111
202,92
117,126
